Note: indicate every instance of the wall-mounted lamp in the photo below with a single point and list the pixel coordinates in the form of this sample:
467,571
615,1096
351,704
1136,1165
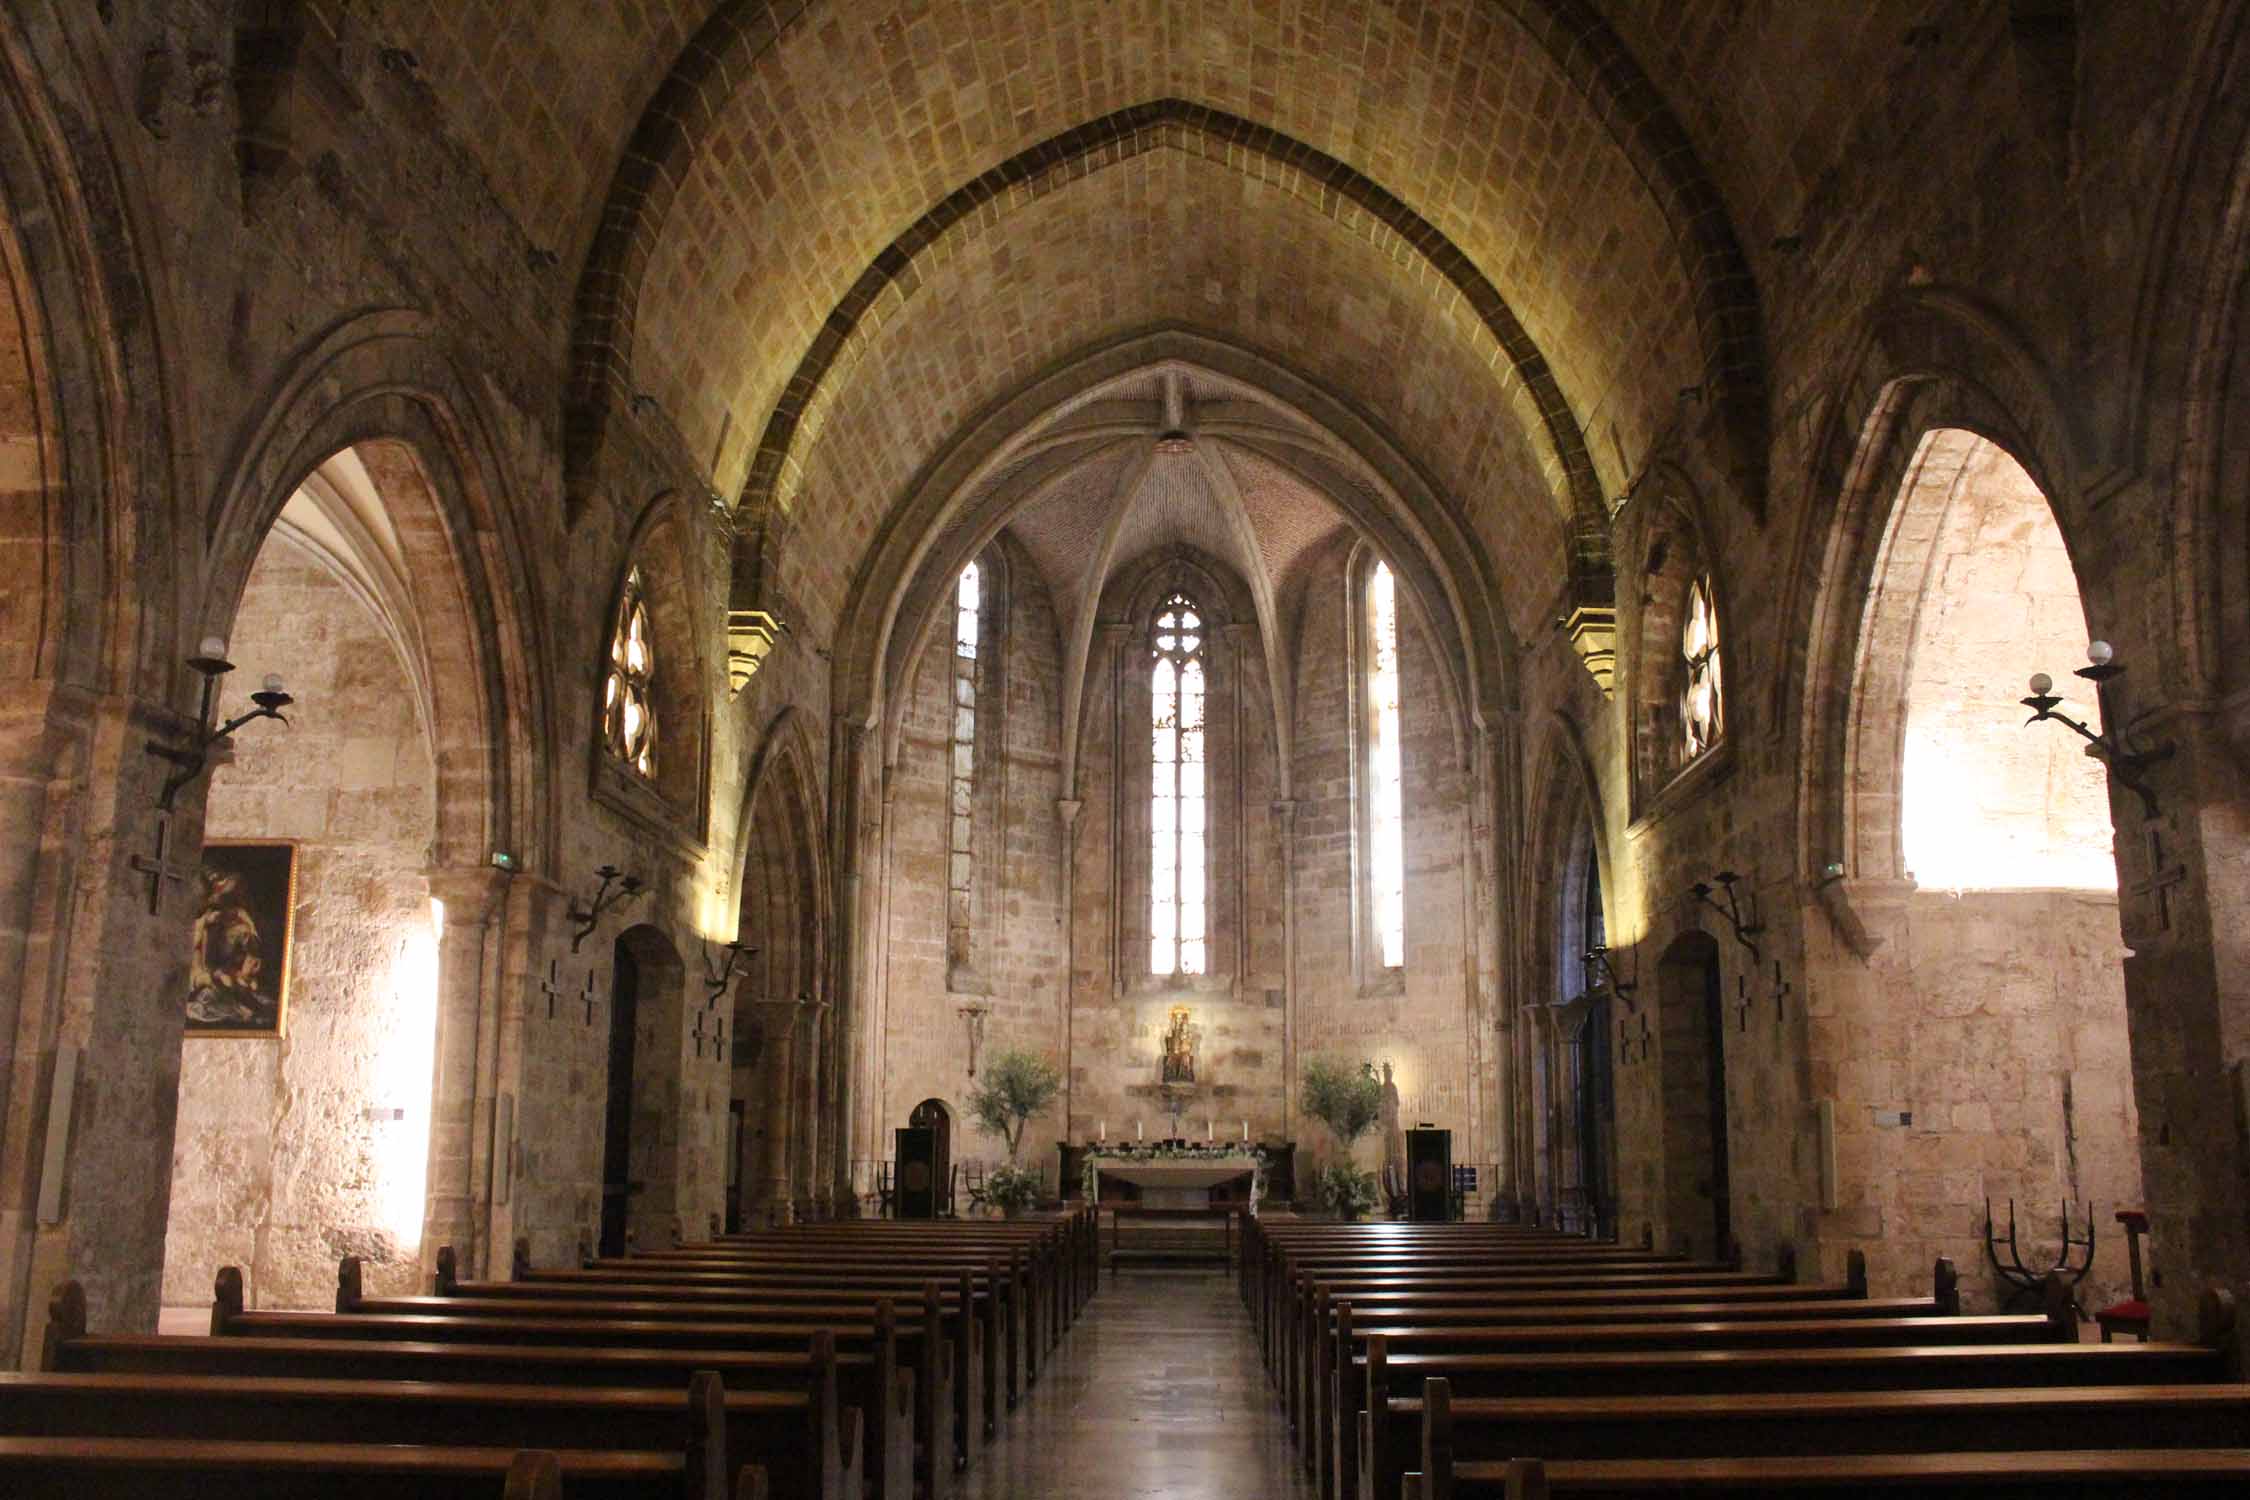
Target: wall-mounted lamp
191,760
972,1017
717,977
626,887
1744,922
2126,760
1600,973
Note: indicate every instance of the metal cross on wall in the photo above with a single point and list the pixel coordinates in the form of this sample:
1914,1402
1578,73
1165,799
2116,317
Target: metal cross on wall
551,985
159,867
1782,990
2155,890
588,997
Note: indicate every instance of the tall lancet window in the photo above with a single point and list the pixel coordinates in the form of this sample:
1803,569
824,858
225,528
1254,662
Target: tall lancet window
1386,815
1176,866
1702,714
961,777
628,719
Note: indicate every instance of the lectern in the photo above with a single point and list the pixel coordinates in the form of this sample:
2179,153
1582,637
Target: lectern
1429,1175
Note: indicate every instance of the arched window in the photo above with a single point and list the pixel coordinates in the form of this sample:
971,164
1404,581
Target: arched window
968,601
628,716
1386,817
1702,705
1177,908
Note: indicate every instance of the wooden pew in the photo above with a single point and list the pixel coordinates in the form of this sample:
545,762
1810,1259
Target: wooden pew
93,1468
990,1359
894,1418
1387,1426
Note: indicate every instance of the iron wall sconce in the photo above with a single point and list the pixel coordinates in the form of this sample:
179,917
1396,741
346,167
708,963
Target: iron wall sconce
1744,922
1600,973
2127,761
717,977
193,759
626,887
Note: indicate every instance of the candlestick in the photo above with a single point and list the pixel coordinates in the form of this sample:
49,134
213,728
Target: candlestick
1206,1128
1101,1130
1137,1127
1245,1132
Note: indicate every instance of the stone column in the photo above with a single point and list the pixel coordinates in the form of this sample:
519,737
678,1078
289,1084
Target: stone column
1287,812
805,1181
105,974
464,1075
777,1021
2183,890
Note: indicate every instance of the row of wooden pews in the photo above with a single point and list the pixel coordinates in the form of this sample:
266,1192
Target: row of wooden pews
1488,1360
846,1361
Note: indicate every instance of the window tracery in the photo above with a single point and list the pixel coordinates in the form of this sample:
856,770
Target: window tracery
1177,800
628,710
1702,696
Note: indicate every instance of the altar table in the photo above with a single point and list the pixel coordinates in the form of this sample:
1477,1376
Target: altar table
1175,1182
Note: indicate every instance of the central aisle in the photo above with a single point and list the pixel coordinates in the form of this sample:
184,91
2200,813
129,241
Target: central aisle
1158,1392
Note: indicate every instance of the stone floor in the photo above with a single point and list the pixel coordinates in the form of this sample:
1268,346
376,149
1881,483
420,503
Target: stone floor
1157,1392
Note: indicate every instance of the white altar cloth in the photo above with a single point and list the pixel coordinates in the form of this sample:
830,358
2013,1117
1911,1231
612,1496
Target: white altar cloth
1174,1182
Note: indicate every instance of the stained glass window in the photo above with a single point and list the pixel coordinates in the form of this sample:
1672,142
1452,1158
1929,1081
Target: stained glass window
628,717
1176,917
1702,705
1386,820
961,772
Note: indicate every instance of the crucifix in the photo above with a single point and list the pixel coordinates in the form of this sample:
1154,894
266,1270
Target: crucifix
159,867
588,997
1627,1043
551,985
699,1034
1741,1003
2155,890
1782,990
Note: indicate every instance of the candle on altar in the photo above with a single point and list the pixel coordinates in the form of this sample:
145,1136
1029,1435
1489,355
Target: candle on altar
1137,1128
1245,1132
1101,1130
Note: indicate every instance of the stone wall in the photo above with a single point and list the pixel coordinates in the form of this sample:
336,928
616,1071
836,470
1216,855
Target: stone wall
281,1163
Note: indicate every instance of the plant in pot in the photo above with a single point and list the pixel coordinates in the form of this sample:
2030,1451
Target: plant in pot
1349,1101
1017,1088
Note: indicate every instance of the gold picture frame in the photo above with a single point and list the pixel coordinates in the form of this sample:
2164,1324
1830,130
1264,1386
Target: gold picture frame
240,947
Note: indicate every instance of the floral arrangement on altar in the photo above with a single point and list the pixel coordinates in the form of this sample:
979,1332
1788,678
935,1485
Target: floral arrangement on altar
1141,1151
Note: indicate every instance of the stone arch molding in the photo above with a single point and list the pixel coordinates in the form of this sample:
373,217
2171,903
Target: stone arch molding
784,783
954,511
1923,366
381,380
726,52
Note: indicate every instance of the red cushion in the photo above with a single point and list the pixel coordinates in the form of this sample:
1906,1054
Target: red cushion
2131,1310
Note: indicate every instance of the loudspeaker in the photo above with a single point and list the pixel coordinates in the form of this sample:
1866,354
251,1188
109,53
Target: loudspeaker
1429,1175
918,1187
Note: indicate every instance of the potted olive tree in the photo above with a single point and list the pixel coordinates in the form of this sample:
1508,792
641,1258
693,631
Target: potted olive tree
1349,1101
1017,1087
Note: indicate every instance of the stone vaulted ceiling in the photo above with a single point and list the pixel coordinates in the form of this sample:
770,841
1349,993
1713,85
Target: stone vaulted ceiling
1508,231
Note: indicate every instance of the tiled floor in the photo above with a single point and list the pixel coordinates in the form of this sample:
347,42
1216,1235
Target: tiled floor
1156,1393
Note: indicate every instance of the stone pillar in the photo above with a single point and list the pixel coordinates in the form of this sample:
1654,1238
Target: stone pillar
805,1180
464,1075
777,1021
101,972
2183,891
1286,811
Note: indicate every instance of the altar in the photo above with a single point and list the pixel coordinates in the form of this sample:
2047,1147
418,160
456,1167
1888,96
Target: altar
1181,1180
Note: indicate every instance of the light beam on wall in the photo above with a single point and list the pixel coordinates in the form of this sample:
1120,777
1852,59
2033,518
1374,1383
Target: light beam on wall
403,1082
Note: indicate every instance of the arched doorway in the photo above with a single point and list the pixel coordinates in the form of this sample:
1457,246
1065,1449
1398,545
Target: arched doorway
1692,1068
933,1115
640,1106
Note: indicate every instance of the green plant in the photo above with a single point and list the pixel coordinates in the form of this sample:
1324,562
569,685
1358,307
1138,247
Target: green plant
1008,1189
1016,1087
1344,1190
1348,1101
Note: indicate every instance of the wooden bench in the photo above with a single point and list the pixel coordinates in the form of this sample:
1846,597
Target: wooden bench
886,1398
2157,1474
1387,1426
98,1468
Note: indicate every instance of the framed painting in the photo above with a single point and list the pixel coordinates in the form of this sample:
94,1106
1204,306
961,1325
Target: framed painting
238,959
